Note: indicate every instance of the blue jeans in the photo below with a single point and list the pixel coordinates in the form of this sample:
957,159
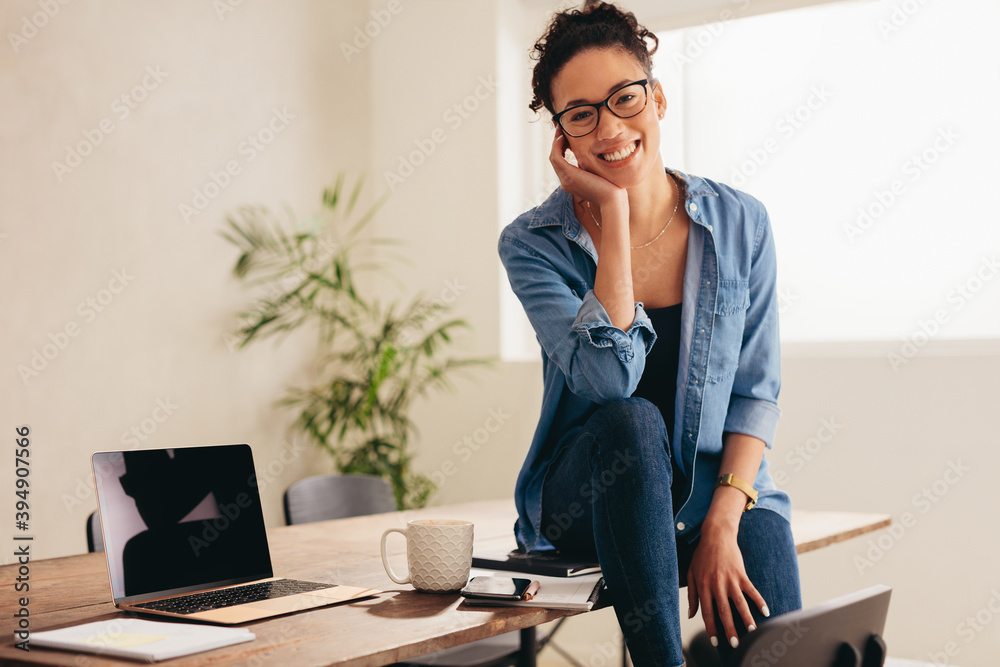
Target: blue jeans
611,493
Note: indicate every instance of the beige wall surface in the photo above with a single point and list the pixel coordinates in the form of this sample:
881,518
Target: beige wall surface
129,131
123,299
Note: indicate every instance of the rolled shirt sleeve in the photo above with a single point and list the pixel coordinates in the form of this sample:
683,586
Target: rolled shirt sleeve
600,361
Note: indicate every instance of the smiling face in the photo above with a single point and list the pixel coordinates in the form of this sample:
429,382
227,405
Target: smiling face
624,151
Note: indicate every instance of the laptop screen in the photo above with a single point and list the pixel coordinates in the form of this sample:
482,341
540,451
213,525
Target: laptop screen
176,520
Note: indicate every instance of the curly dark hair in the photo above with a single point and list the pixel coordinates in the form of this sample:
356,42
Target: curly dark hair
597,25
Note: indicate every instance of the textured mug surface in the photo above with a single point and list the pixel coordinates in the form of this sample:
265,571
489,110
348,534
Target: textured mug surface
438,554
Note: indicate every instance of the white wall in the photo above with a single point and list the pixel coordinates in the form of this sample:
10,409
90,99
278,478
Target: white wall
163,338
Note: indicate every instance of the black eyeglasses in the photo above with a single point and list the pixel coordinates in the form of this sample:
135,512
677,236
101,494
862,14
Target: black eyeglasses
581,120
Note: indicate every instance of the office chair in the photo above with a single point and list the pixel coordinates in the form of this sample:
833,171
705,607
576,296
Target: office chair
95,539
324,497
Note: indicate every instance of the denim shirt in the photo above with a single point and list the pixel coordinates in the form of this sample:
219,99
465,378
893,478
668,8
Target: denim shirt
729,371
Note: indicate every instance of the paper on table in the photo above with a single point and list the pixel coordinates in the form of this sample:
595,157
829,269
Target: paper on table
123,640
140,639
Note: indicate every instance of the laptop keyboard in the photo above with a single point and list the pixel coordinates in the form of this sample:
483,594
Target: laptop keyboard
228,597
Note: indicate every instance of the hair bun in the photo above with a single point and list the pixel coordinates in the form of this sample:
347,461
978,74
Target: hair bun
597,25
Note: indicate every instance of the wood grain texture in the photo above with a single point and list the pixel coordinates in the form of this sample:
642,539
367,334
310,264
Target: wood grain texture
395,625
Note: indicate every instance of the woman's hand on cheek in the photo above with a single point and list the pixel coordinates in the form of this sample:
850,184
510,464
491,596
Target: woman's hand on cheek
718,580
578,181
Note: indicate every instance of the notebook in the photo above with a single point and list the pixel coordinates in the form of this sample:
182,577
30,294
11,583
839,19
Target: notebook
139,639
573,593
545,563
184,537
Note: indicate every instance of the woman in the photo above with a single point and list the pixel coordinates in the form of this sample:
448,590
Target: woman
648,456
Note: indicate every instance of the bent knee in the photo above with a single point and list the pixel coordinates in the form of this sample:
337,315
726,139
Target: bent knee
634,423
631,417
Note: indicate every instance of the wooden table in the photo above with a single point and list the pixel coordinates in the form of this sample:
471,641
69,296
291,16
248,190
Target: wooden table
394,626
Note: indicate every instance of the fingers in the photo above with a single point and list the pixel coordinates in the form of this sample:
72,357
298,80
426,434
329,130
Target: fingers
743,609
708,615
557,154
692,595
758,600
722,604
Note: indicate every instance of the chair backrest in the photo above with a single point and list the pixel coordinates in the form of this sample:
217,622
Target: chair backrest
95,538
324,497
843,632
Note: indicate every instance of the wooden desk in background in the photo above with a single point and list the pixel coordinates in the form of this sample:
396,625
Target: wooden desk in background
394,626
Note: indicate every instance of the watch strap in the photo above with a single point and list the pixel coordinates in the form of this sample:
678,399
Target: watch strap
730,479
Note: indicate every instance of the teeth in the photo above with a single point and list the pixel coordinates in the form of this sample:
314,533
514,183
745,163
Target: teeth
621,154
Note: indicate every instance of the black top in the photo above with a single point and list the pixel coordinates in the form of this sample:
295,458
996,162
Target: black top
659,378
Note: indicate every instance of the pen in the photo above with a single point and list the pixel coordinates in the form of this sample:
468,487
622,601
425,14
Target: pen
531,591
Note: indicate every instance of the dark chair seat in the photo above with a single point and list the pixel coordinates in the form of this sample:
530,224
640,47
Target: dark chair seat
95,538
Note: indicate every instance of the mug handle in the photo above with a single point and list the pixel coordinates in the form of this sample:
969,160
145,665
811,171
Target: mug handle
385,558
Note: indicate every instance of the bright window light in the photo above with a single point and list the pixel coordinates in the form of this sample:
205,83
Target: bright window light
869,131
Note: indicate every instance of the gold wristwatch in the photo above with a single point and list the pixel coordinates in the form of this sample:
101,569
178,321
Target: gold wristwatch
730,479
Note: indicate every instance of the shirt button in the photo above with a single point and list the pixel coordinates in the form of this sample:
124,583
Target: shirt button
692,207
680,525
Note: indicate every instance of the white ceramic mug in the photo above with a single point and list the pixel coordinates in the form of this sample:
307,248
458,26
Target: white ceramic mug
438,554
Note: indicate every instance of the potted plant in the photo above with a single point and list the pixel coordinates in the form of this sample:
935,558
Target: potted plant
373,359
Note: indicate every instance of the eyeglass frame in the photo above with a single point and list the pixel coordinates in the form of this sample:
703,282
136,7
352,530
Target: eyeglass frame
643,82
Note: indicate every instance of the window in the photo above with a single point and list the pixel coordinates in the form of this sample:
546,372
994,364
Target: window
868,130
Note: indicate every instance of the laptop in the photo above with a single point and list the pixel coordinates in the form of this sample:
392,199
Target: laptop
184,537
843,631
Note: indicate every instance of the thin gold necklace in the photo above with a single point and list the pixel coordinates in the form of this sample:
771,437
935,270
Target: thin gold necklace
677,202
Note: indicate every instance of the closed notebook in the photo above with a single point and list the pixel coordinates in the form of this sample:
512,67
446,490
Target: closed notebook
138,639
573,593
545,563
